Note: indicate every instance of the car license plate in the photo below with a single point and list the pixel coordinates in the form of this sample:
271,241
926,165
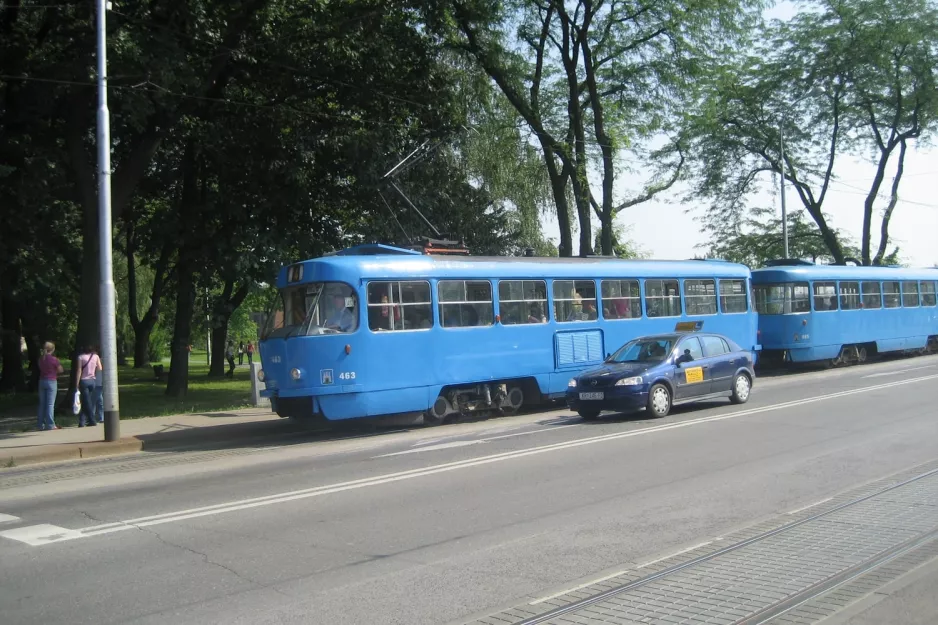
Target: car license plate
588,396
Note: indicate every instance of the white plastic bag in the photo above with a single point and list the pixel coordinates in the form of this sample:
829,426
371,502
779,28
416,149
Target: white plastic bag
76,403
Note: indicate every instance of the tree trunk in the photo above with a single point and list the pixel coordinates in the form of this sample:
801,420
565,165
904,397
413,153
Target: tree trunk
32,355
142,345
605,145
558,185
11,378
219,340
884,155
178,379
224,307
893,200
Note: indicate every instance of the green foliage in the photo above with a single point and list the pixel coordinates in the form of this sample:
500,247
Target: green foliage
759,239
623,246
843,77
595,83
158,347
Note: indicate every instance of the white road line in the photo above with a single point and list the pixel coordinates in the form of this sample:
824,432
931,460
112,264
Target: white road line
38,535
576,588
676,553
885,373
317,491
438,446
803,508
455,444
8,518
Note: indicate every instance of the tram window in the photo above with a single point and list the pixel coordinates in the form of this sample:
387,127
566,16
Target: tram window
849,295
928,294
621,299
395,306
825,296
662,298
910,294
522,301
700,297
782,299
465,303
891,294
872,295
574,300
733,296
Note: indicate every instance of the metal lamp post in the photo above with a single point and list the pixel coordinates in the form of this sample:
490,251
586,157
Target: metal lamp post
106,280
781,150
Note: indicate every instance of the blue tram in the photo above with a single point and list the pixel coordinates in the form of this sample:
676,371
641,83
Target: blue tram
377,330
844,314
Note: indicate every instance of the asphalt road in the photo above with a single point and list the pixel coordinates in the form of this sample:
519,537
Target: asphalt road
435,525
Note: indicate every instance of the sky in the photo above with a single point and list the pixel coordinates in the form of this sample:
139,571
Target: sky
666,228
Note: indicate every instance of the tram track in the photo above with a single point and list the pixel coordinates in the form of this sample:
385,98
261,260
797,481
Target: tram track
790,602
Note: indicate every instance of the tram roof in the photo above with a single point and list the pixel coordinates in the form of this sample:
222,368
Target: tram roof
840,272
409,265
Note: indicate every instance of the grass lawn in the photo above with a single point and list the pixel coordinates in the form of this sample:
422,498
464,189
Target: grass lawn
141,395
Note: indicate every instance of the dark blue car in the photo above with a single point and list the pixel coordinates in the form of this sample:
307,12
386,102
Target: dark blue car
657,372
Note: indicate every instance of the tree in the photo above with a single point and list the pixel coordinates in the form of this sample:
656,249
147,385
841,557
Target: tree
622,245
758,239
596,79
866,74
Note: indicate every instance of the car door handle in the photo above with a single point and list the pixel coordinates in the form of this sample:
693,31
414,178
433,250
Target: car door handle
705,366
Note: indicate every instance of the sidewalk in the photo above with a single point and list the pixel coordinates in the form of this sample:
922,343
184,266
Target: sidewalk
191,431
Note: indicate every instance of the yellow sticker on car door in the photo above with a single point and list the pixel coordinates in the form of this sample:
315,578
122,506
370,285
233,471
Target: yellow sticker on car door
693,375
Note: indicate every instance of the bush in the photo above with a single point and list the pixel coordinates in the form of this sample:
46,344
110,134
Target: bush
159,344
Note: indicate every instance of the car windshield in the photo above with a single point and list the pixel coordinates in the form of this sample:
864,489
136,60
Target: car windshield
654,349
313,309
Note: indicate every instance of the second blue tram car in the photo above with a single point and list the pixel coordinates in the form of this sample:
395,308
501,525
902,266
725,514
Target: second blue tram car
843,314
376,330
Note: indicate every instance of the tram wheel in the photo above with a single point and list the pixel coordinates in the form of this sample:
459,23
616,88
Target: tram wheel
431,419
437,414
514,400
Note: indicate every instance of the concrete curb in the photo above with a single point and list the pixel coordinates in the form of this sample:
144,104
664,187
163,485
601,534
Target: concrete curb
69,451
184,441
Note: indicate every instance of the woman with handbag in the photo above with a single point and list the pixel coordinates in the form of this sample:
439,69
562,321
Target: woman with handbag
88,366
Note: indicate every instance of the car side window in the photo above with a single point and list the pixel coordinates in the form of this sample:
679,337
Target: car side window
691,344
713,346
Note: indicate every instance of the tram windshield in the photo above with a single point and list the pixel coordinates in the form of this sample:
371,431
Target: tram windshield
313,309
783,299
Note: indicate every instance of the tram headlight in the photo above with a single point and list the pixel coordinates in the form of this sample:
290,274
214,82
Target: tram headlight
260,375
296,374
571,383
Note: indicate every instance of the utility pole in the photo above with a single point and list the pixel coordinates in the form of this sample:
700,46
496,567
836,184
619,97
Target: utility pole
208,331
112,427
813,92
781,151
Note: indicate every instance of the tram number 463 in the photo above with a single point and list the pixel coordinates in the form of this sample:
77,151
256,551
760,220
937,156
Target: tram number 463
347,375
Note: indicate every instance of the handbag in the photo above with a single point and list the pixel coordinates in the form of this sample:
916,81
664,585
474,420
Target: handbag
76,403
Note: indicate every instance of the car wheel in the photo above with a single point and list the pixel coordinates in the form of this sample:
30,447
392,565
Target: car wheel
587,414
742,386
659,400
